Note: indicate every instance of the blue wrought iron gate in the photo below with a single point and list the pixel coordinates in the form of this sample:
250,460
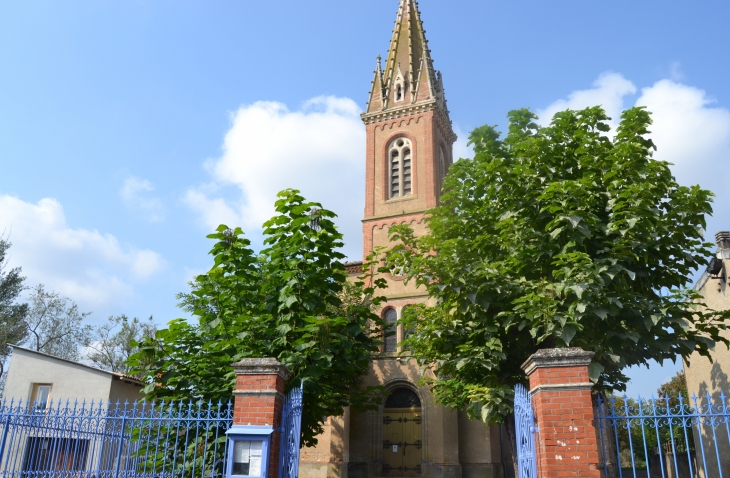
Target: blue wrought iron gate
291,430
104,440
665,437
525,433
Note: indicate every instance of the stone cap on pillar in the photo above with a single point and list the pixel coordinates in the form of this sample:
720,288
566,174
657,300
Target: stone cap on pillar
261,366
565,357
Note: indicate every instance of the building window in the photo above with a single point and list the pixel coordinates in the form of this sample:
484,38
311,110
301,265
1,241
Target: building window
406,332
403,398
399,154
400,87
442,166
40,396
390,339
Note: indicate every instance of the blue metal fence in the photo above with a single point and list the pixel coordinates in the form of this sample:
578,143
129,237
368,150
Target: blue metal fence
525,433
665,437
291,430
103,440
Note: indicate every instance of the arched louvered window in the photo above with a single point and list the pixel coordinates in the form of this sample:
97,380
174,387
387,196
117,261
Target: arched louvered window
406,332
390,339
407,310
400,88
442,165
401,169
394,174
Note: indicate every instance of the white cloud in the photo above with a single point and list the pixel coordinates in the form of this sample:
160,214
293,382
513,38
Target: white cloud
136,194
688,131
212,211
608,91
694,135
89,267
146,263
461,150
318,149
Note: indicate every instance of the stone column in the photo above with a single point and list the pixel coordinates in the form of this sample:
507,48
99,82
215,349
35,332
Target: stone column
566,444
259,399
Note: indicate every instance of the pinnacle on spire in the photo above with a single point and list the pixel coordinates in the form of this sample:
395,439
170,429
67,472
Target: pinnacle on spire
377,90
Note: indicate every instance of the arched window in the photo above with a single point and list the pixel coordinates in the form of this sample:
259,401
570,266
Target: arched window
442,166
407,310
390,339
406,332
400,86
403,398
399,155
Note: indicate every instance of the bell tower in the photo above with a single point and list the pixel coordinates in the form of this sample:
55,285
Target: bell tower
409,139
409,151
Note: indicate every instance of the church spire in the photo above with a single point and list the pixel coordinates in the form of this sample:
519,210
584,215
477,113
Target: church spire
409,76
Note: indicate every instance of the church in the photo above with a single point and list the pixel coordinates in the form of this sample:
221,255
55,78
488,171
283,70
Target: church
409,150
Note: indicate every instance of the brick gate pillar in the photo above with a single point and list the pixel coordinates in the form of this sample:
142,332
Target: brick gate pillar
566,443
259,399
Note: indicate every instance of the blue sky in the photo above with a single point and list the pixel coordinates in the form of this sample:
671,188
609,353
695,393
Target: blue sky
128,129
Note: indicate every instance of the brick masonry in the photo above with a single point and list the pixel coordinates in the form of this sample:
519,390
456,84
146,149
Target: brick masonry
566,444
428,133
259,400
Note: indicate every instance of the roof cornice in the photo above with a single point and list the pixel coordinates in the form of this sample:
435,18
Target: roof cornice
410,110
120,376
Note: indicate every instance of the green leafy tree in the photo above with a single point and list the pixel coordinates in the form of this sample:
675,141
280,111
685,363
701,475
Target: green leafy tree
669,396
13,329
552,237
289,302
675,387
111,344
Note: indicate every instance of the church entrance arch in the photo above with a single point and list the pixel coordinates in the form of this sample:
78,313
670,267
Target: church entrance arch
402,434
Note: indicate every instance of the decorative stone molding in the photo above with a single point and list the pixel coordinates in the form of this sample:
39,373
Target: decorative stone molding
558,387
567,357
261,366
258,393
398,112
388,220
442,118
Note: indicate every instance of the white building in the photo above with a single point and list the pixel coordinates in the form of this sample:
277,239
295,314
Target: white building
57,431
41,377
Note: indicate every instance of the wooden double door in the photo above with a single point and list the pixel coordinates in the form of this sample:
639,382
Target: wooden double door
402,441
